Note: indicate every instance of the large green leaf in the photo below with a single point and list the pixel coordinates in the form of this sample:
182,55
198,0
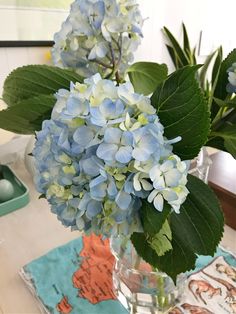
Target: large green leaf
183,111
179,259
33,80
196,230
200,222
27,116
220,90
146,76
152,219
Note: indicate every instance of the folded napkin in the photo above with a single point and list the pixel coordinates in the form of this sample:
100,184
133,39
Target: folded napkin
77,278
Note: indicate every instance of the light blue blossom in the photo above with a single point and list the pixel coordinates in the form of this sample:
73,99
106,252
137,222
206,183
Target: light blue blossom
102,152
98,36
169,179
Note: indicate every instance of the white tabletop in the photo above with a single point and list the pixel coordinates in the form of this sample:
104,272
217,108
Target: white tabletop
29,233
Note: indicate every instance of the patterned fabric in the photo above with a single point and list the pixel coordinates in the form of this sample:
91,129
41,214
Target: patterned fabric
77,278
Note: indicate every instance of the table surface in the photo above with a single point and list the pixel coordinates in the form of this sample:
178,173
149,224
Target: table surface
27,234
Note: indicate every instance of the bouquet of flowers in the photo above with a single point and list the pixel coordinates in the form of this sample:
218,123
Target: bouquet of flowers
115,139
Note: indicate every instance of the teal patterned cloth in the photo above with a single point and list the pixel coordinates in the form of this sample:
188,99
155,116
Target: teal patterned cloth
76,278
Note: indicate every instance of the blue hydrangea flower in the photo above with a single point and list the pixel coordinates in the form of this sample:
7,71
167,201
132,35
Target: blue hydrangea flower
102,152
98,36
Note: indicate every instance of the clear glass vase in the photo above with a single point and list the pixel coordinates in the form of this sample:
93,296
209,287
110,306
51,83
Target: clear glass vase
200,166
140,288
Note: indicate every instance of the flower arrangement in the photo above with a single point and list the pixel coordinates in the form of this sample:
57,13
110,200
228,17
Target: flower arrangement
114,140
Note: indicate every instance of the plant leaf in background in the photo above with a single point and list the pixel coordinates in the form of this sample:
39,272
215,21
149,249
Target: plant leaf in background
183,111
33,80
228,134
204,69
146,76
196,230
214,82
181,55
26,117
186,43
220,90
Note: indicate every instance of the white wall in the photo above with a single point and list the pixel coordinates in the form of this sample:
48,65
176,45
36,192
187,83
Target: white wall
216,18
41,23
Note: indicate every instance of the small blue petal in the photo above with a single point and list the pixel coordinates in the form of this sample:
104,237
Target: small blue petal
93,208
112,136
107,151
124,154
123,200
83,136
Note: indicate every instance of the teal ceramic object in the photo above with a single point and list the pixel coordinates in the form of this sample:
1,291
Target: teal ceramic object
21,193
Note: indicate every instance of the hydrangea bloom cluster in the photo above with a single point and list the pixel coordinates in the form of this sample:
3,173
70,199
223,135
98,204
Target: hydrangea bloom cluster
231,87
102,152
99,36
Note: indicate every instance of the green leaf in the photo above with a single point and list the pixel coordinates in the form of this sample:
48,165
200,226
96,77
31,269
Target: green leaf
204,69
143,248
161,242
217,66
215,77
173,57
146,76
230,145
27,116
178,50
194,61
226,103
228,134
220,90
33,80
196,230
200,222
152,219
186,43
178,260
183,111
